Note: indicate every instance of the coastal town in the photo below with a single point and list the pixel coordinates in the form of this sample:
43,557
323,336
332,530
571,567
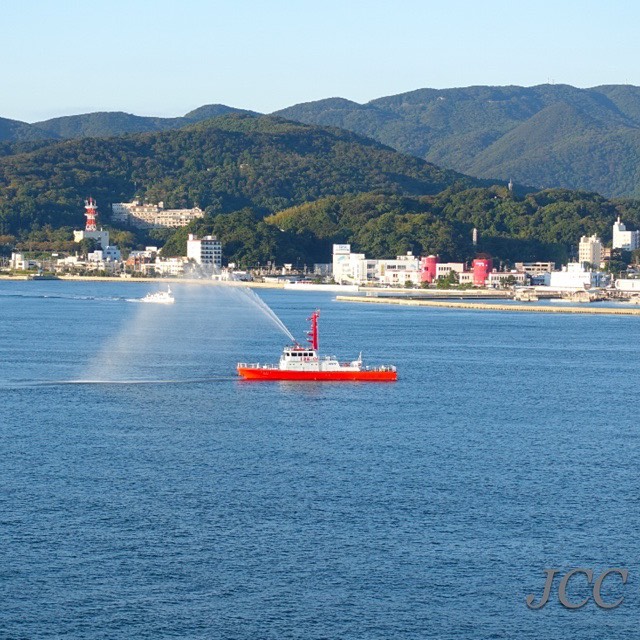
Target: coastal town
592,271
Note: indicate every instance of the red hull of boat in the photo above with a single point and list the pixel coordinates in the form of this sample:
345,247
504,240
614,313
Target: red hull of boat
316,376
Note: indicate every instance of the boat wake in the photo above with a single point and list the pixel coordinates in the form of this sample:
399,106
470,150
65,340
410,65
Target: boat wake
55,296
30,384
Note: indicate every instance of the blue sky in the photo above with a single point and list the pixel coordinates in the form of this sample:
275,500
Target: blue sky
165,58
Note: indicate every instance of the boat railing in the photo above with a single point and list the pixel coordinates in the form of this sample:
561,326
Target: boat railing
384,367
254,365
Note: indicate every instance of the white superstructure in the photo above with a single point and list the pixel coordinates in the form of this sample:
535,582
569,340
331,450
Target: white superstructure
159,297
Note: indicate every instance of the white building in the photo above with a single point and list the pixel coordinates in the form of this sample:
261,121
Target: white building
351,268
399,271
500,278
623,239
590,251
148,253
356,268
535,268
101,237
110,253
20,262
170,266
575,276
147,216
341,266
443,269
207,250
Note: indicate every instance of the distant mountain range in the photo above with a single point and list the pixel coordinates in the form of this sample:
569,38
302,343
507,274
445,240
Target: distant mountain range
106,124
543,136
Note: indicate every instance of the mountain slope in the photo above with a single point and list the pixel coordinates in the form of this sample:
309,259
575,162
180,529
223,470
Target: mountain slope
549,135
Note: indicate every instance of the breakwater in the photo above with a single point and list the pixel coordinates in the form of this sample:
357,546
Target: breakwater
479,306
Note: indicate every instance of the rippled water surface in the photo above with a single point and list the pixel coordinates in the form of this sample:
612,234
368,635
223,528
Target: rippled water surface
148,493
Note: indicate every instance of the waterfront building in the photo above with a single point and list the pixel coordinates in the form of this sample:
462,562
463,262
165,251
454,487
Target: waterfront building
575,276
148,216
341,262
623,239
590,251
535,268
207,250
110,253
502,278
443,269
352,268
142,260
170,266
356,268
397,272
20,262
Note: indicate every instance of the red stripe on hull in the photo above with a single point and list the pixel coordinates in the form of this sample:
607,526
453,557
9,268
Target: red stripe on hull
317,376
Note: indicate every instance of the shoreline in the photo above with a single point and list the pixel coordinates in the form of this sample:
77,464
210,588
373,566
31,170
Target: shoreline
232,283
478,306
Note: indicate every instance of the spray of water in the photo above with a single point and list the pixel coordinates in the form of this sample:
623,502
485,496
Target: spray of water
256,301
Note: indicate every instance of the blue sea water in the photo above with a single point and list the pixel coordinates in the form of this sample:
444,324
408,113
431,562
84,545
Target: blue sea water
148,493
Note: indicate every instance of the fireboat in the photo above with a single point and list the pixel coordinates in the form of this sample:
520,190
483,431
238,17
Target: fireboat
300,362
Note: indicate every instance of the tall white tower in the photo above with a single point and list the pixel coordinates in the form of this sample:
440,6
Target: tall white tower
623,239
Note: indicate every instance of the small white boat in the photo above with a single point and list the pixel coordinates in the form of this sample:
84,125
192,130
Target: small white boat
159,297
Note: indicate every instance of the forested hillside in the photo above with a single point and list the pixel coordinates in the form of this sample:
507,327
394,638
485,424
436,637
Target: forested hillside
221,165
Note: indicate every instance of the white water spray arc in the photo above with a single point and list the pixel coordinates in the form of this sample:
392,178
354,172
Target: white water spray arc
266,310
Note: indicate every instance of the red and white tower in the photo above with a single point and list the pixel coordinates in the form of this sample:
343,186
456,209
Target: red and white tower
312,335
91,213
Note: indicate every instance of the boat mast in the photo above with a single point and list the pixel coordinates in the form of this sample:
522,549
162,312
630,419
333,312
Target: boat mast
312,335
